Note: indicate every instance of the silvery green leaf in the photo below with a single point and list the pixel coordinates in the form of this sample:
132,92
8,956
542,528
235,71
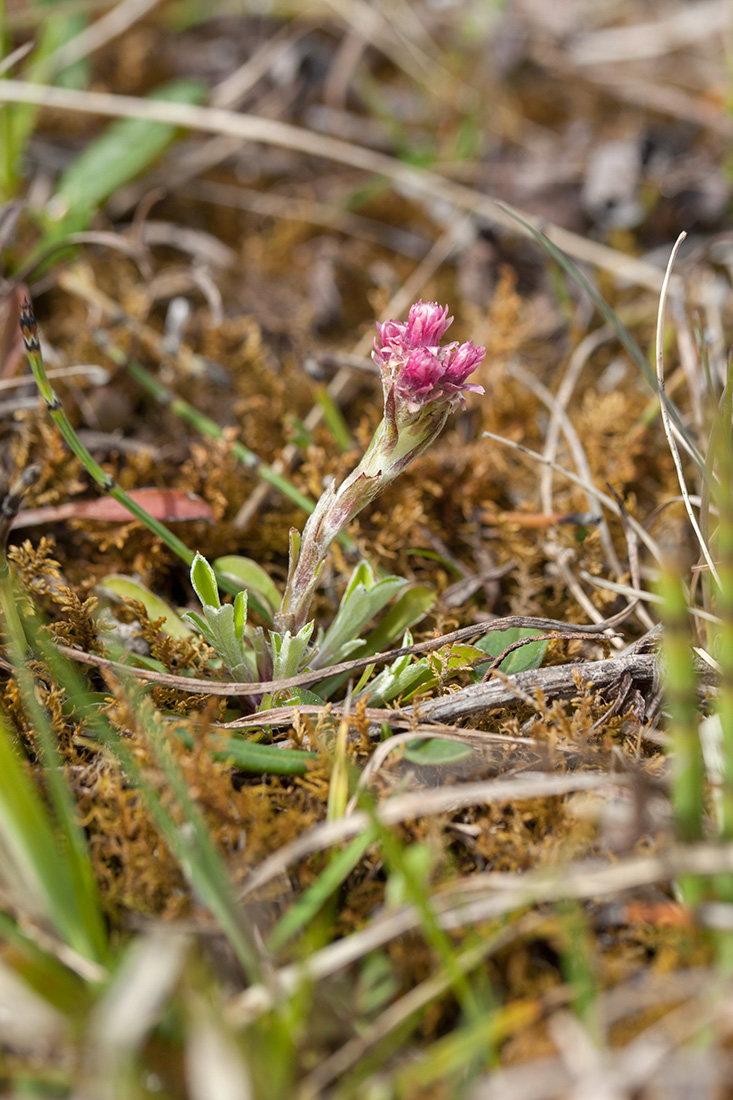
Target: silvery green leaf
122,587
261,652
288,651
204,583
496,641
218,625
362,575
221,624
198,623
412,606
393,682
251,576
437,752
405,675
240,615
362,600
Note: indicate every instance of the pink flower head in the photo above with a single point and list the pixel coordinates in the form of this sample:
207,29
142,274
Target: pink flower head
426,325
416,367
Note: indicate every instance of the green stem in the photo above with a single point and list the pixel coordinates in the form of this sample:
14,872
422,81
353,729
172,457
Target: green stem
419,897
210,428
7,151
103,479
688,771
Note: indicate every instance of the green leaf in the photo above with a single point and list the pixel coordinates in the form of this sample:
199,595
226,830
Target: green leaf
125,587
192,846
251,577
315,896
39,861
436,752
240,615
401,680
409,609
334,419
289,651
125,149
250,756
527,656
363,599
204,583
198,623
293,696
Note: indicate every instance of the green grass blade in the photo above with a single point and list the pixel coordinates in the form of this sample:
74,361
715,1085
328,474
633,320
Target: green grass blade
42,971
126,148
317,894
417,893
57,886
624,336
688,773
251,756
208,427
192,846
334,420
102,479
77,896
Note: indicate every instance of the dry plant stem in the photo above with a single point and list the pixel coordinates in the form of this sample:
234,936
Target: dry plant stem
9,507
273,132
425,803
554,682
494,896
96,375
632,549
560,417
411,1003
15,57
642,41
602,497
649,597
667,423
414,52
576,363
98,34
560,681
460,735
580,635
562,557
218,687
285,207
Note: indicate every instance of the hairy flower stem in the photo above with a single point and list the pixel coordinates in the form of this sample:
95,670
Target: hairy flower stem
422,383
387,456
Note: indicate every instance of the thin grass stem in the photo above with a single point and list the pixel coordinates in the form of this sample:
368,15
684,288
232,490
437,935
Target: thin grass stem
688,771
666,420
100,477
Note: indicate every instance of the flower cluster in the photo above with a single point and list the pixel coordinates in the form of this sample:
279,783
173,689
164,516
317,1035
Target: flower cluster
423,382
410,358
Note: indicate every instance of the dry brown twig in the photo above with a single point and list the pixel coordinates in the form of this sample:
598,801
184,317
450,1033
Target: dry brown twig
219,687
273,132
482,897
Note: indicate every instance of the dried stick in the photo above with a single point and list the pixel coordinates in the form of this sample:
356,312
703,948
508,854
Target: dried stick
667,423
